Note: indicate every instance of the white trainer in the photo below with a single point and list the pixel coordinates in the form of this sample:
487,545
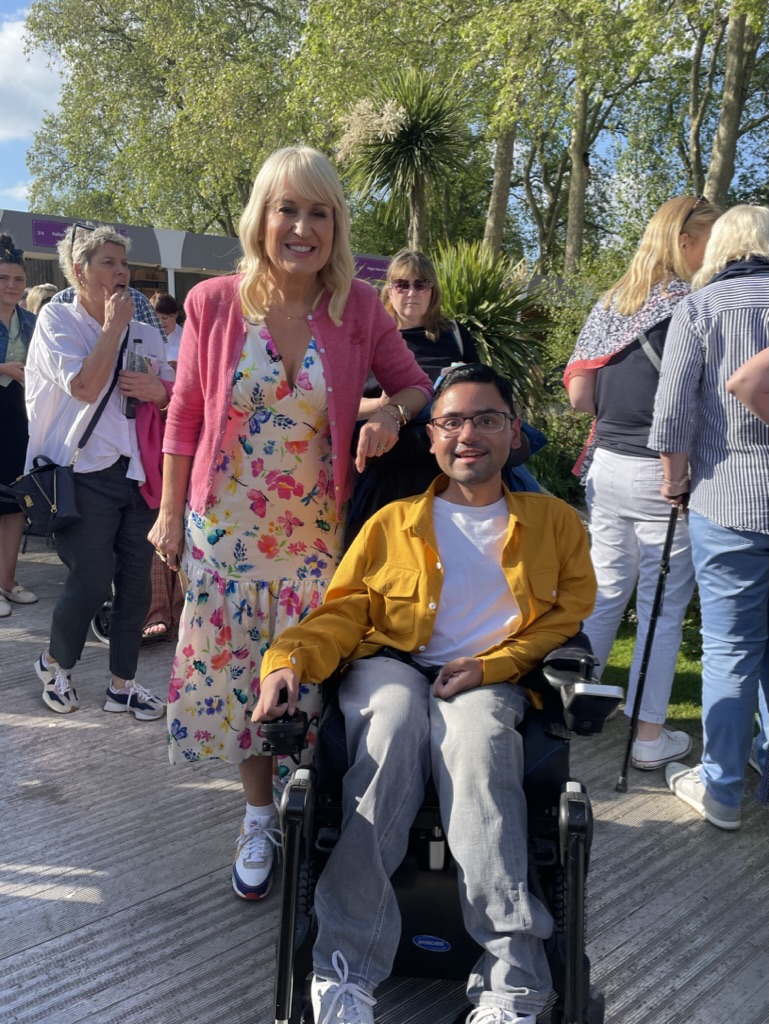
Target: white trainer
496,1015
254,867
340,1002
669,746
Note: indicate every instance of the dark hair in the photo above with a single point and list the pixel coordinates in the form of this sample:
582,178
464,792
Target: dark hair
9,253
165,303
475,373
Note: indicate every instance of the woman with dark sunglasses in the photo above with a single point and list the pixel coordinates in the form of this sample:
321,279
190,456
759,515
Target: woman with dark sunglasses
614,373
412,296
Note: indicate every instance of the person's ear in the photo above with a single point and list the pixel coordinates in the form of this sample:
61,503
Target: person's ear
429,428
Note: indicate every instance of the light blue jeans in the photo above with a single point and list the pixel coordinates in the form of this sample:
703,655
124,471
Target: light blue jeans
732,568
397,733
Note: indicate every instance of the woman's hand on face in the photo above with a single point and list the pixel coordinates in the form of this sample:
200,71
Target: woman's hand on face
118,308
14,370
377,436
167,538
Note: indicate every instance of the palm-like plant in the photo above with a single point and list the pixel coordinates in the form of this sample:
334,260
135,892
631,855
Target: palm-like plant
488,294
410,134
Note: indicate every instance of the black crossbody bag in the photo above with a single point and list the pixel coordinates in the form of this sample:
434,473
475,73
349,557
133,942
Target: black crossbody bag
47,493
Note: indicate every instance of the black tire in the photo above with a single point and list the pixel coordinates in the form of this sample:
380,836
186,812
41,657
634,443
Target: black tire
100,622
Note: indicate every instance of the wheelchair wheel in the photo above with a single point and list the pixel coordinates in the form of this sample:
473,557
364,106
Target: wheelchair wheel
100,622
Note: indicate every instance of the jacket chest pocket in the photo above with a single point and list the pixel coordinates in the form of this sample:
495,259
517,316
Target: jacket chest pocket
543,588
393,593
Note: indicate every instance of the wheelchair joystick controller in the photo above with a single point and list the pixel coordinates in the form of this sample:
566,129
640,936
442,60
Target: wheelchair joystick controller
286,736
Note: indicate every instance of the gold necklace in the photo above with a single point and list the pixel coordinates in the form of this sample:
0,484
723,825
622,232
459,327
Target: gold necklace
299,316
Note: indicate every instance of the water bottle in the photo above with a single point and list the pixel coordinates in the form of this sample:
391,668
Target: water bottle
134,360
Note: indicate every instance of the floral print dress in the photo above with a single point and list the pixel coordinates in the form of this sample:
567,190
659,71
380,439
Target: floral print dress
260,557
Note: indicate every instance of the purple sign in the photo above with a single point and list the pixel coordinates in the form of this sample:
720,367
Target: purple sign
371,268
48,233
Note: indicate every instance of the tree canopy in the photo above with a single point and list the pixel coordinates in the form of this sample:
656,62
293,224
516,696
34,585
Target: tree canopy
569,121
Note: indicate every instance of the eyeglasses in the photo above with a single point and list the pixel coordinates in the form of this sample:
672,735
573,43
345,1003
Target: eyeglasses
75,228
699,201
400,284
484,423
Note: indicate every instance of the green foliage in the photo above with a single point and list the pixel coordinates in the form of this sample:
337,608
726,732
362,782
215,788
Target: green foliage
566,433
408,136
488,295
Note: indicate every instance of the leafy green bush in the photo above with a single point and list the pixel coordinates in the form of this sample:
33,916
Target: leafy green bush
566,432
487,294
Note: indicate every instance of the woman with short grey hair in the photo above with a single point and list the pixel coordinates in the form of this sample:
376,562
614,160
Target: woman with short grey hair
75,364
716,451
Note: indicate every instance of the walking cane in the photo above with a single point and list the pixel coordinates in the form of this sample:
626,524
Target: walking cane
621,786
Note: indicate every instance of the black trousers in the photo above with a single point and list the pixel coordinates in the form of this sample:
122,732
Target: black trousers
108,543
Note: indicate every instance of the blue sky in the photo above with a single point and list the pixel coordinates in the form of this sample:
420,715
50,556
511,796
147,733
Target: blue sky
27,89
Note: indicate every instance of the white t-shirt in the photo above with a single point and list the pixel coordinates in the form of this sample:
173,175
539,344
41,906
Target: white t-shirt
64,335
173,341
477,608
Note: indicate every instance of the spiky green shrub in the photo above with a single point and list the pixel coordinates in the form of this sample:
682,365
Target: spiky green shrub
488,294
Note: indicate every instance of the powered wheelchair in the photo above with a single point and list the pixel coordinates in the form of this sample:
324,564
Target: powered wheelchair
433,941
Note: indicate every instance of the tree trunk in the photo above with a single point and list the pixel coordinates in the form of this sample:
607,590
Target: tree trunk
500,192
741,45
578,156
417,216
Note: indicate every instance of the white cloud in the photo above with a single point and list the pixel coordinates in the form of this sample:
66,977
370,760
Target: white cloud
16,193
28,86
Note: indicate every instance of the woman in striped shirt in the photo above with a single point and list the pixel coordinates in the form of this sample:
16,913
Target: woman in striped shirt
714,448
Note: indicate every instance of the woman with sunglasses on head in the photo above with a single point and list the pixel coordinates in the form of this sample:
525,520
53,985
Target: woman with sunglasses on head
16,327
77,362
614,373
258,467
412,296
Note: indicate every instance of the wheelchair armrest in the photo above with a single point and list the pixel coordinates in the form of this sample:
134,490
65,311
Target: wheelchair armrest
587,703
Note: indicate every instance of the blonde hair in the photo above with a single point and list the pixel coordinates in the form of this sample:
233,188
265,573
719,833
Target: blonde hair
409,262
311,174
659,257
38,295
81,242
742,232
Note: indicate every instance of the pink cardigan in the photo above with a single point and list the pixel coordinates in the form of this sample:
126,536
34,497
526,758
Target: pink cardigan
214,333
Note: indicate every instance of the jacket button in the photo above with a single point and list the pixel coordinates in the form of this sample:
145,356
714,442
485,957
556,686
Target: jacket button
421,647
432,606
309,316
438,565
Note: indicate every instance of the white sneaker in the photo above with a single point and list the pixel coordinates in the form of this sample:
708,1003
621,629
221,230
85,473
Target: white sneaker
254,867
496,1015
340,1002
669,746
142,704
18,594
58,692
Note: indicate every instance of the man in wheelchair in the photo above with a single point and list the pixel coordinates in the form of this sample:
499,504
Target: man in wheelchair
466,567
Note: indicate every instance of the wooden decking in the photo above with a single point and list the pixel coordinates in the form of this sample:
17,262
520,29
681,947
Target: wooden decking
116,908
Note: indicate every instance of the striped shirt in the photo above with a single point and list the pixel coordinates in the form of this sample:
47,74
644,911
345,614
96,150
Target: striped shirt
712,333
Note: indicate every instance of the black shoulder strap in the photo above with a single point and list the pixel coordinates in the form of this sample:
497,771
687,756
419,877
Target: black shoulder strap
103,403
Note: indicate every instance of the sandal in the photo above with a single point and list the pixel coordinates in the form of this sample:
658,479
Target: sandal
155,631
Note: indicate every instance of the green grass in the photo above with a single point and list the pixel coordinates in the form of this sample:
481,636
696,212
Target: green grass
685,708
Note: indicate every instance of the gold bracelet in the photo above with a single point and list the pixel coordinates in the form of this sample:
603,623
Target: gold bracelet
165,407
391,411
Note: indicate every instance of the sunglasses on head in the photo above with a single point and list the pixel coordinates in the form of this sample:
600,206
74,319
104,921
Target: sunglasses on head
699,201
400,284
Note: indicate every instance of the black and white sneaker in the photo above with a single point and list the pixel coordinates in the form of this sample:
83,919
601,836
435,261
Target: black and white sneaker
58,692
134,698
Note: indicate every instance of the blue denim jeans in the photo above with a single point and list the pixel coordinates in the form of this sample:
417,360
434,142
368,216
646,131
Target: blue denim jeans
732,569
397,734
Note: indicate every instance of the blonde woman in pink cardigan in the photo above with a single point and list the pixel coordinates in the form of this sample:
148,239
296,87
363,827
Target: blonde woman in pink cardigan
258,468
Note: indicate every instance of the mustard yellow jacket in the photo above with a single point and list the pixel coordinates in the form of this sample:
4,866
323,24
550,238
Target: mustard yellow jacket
387,589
